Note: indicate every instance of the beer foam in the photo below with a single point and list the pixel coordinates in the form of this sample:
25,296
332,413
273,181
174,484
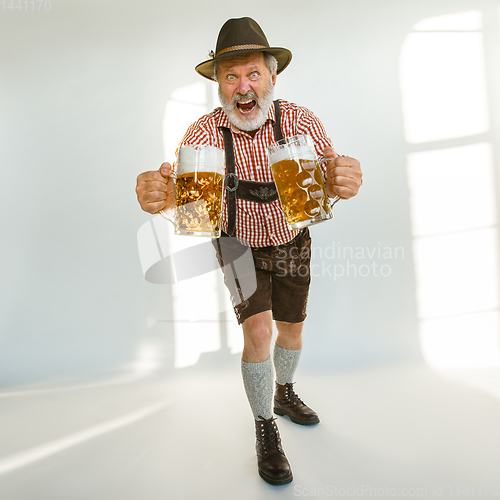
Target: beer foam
292,151
200,159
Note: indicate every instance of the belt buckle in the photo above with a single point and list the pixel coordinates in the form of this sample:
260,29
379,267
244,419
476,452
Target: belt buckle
236,182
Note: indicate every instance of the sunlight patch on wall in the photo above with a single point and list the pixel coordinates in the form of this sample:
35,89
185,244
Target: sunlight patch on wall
443,86
456,273
463,21
196,311
452,189
185,106
147,359
462,341
196,306
452,197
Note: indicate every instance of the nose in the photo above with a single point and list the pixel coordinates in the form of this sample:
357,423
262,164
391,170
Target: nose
244,86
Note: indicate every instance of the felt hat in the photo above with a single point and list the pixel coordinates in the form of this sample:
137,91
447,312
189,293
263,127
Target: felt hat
242,36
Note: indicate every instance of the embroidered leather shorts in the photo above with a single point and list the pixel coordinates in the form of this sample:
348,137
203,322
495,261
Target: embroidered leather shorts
272,278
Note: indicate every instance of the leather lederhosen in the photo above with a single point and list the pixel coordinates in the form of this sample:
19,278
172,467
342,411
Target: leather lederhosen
258,192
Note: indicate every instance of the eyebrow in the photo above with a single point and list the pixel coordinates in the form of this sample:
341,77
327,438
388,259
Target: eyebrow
252,68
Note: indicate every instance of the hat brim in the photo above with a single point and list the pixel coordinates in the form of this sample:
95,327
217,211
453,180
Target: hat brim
283,56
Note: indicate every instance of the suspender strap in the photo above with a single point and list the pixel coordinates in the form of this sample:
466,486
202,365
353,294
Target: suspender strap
278,134
258,192
231,181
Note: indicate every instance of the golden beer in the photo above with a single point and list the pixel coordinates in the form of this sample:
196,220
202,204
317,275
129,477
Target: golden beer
299,182
198,200
198,191
301,191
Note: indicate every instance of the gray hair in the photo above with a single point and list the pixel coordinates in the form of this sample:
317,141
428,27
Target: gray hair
269,59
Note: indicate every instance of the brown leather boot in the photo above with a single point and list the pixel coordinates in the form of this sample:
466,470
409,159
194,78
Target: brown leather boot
273,465
287,402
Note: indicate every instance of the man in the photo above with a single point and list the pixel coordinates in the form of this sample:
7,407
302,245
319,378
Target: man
246,68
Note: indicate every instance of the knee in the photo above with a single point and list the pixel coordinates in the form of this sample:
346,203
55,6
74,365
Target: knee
289,332
290,329
258,332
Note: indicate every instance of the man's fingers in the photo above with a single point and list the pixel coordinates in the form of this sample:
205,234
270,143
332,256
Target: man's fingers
148,190
162,174
346,161
155,186
347,167
153,208
345,187
153,196
344,176
329,152
342,180
344,192
345,171
154,189
146,177
165,169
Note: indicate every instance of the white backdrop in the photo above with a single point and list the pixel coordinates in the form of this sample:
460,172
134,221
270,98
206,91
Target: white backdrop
83,90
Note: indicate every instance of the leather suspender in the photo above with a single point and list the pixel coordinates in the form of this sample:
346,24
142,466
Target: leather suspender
231,181
258,192
278,134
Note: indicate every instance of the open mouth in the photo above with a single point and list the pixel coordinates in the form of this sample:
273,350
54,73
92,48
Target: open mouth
247,106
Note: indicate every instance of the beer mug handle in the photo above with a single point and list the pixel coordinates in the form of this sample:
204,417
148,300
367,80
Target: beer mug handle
331,201
168,214
334,200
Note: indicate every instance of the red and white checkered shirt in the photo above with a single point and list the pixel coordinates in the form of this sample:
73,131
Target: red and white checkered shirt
258,224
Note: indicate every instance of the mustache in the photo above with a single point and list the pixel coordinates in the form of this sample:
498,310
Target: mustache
243,97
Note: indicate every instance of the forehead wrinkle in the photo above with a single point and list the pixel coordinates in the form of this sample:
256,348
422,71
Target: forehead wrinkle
240,61
251,68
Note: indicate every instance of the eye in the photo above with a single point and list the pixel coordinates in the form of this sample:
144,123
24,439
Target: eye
230,78
254,75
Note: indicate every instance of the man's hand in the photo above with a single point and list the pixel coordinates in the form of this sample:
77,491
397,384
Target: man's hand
343,175
155,190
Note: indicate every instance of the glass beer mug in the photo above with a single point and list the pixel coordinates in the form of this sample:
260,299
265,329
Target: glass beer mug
198,191
299,181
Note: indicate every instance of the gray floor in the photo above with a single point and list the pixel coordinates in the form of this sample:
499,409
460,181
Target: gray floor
390,432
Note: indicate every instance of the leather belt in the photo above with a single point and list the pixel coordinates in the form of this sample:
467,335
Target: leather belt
258,192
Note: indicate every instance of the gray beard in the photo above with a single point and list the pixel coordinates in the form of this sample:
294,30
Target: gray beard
262,107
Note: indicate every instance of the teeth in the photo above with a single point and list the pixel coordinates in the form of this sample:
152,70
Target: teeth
245,102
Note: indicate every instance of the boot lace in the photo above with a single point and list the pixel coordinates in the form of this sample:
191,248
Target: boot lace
291,395
269,435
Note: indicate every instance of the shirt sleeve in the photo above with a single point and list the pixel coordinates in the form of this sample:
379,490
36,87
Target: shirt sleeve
309,124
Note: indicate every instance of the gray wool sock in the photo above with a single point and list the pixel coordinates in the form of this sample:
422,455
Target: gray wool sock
258,379
285,363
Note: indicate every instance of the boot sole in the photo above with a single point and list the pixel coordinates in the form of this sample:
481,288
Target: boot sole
276,482
294,420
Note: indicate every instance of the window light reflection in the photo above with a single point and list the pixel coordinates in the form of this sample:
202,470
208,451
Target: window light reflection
454,224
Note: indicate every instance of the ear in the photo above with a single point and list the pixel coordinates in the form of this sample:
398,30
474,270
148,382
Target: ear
275,75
